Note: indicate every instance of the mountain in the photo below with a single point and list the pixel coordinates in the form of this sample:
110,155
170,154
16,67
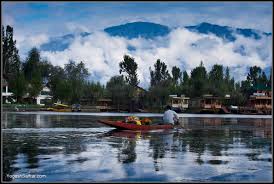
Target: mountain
149,30
60,43
138,29
225,32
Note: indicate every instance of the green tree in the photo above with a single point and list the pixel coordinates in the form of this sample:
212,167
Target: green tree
263,81
216,80
56,76
198,81
254,75
159,94
76,75
237,97
176,74
159,74
18,85
46,70
93,91
185,84
129,66
64,91
11,60
117,88
32,71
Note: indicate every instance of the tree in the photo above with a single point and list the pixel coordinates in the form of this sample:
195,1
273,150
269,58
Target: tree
11,60
159,74
64,90
32,71
269,82
198,81
76,74
227,75
184,87
176,74
17,85
32,64
262,80
254,75
56,76
216,80
93,91
129,66
46,69
117,88
237,97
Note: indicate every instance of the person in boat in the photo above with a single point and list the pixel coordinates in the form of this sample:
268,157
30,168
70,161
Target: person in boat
170,116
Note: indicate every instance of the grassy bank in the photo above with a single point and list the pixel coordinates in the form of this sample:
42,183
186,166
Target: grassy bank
21,107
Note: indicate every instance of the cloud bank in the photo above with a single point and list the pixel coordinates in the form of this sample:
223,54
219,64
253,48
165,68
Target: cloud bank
102,53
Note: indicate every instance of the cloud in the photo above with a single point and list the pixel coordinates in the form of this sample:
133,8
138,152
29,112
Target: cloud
76,28
25,43
102,53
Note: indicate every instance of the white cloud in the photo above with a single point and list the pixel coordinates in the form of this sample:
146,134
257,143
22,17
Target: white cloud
25,43
76,28
102,53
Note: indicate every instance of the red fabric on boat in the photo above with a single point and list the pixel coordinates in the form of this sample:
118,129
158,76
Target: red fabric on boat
127,126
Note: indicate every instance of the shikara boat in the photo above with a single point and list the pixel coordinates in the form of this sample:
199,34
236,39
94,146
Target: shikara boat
60,108
131,126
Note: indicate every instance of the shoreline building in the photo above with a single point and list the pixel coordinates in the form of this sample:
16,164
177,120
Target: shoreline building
179,103
208,104
41,99
6,93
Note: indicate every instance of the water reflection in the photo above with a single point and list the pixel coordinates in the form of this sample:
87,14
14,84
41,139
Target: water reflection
216,150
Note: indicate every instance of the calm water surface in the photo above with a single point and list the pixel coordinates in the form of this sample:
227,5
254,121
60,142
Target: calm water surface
77,148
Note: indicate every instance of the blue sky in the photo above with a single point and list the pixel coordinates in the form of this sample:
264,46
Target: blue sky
58,17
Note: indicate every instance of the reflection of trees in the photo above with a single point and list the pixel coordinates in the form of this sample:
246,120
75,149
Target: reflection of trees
30,148
73,144
127,152
257,145
126,146
9,156
198,140
157,145
160,143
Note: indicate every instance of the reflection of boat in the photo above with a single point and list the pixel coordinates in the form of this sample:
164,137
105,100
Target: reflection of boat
129,126
122,133
132,134
60,108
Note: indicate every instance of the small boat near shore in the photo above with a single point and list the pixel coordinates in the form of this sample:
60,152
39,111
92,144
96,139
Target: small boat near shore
129,126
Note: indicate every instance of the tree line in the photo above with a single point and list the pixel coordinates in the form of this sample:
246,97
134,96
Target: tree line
72,83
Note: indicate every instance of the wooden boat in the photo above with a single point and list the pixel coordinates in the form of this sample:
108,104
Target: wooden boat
60,108
129,126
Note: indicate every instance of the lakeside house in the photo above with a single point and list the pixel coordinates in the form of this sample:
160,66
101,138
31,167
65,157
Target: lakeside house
41,99
208,104
179,103
260,102
43,96
104,104
6,93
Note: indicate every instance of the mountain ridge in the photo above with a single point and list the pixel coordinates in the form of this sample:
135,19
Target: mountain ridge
149,30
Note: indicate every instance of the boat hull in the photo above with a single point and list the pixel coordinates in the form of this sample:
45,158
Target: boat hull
126,126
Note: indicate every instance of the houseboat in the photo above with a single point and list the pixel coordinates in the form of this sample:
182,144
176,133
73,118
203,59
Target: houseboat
258,103
104,104
208,104
179,103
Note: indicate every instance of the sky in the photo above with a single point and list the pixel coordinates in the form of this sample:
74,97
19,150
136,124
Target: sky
36,22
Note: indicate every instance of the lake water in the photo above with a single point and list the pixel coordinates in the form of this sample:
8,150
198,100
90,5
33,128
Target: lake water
47,147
